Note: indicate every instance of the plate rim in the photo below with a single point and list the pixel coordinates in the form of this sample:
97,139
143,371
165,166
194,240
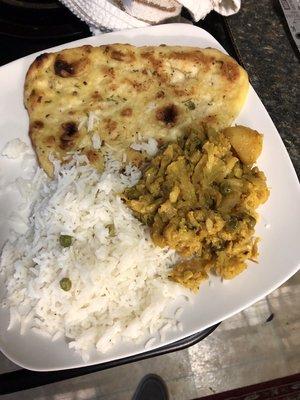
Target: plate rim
293,175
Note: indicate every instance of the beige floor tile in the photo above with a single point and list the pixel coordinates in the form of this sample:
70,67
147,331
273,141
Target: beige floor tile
171,367
233,347
126,395
236,376
292,363
246,350
65,390
182,388
179,389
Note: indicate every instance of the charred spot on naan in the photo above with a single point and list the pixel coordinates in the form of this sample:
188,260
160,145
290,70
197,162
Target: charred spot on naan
160,94
67,68
37,124
155,65
229,70
126,112
168,114
40,60
209,120
195,56
95,157
49,141
92,156
39,63
123,54
107,71
72,63
35,98
69,132
155,62
110,127
97,96
35,129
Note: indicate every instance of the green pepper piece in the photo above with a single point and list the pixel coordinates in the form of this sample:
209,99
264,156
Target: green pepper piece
232,224
112,230
65,240
65,284
190,104
251,221
225,189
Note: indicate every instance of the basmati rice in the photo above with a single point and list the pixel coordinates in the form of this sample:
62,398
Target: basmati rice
119,278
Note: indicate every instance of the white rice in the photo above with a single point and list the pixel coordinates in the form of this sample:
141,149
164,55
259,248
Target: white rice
149,146
88,121
96,141
92,118
119,287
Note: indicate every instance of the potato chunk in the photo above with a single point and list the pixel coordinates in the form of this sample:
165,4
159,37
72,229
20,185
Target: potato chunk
246,142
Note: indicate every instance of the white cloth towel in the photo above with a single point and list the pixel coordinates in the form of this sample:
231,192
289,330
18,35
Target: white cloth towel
106,15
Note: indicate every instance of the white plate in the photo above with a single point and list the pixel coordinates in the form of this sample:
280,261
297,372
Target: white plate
279,227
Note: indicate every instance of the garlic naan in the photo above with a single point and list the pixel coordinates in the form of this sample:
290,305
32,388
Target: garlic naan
120,93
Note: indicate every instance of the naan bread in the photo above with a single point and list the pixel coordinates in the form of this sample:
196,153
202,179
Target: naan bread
121,93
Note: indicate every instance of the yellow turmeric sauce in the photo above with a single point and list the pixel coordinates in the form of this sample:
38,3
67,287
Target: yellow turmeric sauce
199,198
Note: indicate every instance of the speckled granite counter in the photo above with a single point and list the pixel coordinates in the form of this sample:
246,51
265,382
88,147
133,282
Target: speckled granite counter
258,31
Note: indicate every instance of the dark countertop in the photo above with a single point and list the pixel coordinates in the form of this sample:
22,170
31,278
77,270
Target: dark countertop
261,38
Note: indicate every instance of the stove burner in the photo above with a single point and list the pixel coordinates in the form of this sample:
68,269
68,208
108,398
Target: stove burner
39,19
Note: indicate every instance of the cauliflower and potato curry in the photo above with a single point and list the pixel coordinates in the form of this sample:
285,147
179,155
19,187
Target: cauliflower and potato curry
199,196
